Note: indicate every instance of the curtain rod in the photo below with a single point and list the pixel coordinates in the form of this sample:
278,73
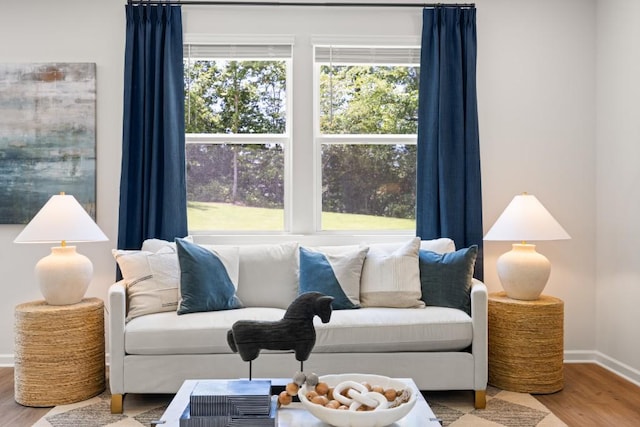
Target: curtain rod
293,3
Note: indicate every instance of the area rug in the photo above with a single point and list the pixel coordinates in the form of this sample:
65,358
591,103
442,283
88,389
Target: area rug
504,408
454,409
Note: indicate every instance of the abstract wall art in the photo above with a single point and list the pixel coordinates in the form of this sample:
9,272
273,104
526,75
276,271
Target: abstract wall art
47,136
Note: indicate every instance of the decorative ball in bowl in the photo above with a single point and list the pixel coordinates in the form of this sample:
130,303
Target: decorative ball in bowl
358,397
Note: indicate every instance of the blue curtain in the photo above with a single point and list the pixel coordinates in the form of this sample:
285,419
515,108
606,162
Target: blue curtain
449,197
153,200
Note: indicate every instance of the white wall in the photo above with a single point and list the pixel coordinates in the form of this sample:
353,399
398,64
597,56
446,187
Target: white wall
536,88
536,80
618,177
66,31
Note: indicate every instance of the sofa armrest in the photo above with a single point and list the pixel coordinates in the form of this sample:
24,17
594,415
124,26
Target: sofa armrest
480,344
117,312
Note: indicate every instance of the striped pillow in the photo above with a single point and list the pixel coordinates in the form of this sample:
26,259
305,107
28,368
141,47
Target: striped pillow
391,277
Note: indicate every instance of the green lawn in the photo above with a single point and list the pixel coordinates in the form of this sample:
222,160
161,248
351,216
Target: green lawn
224,216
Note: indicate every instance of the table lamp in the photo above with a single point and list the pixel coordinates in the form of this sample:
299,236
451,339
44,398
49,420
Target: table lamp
64,275
524,272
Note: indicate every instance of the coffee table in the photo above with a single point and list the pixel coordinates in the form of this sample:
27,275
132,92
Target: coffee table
294,415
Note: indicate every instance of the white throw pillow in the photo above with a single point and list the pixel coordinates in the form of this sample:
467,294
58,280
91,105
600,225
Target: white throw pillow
268,275
391,277
152,280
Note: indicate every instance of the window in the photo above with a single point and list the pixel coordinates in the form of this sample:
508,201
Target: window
348,165
366,124
236,120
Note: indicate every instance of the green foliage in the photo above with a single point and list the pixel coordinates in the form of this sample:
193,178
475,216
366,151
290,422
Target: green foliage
368,100
256,171
231,98
235,97
383,185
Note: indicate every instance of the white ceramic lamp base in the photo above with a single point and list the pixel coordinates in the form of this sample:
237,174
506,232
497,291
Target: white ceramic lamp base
523,272
64,275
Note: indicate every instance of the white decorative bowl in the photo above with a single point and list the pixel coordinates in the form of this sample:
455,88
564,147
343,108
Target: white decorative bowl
346,418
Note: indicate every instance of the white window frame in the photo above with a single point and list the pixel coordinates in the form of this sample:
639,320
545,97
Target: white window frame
302,141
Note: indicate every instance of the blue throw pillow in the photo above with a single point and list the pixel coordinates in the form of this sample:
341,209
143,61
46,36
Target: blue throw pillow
334,272
205,284
446,278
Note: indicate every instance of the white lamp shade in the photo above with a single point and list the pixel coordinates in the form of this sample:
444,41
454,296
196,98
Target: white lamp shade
526,219
62,218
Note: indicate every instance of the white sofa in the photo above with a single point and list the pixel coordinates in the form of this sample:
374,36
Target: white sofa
440,348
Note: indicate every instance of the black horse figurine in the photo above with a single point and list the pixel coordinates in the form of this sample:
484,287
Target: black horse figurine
294,331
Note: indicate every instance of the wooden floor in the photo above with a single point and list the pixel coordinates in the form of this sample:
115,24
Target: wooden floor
592,397
11,413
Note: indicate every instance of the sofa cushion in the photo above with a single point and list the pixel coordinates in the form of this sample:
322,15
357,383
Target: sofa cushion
151,278
382,329
446,278
205,282
333,271
376,329
201,333
391,276
268,275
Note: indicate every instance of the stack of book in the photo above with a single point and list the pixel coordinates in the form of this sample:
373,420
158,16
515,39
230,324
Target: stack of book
232,403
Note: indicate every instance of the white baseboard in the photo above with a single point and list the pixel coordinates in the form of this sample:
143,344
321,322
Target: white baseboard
570,356
579,356
6,361
621,369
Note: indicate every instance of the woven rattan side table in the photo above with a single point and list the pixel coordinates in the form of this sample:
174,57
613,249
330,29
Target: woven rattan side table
59,352
526,344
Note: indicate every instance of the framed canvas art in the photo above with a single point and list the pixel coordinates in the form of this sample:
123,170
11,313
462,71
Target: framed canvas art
47,136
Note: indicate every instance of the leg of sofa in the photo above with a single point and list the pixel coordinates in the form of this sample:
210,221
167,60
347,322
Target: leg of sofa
481,399
116,403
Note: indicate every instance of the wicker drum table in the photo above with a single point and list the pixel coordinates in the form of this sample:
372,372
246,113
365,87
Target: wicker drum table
59,352
526,344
